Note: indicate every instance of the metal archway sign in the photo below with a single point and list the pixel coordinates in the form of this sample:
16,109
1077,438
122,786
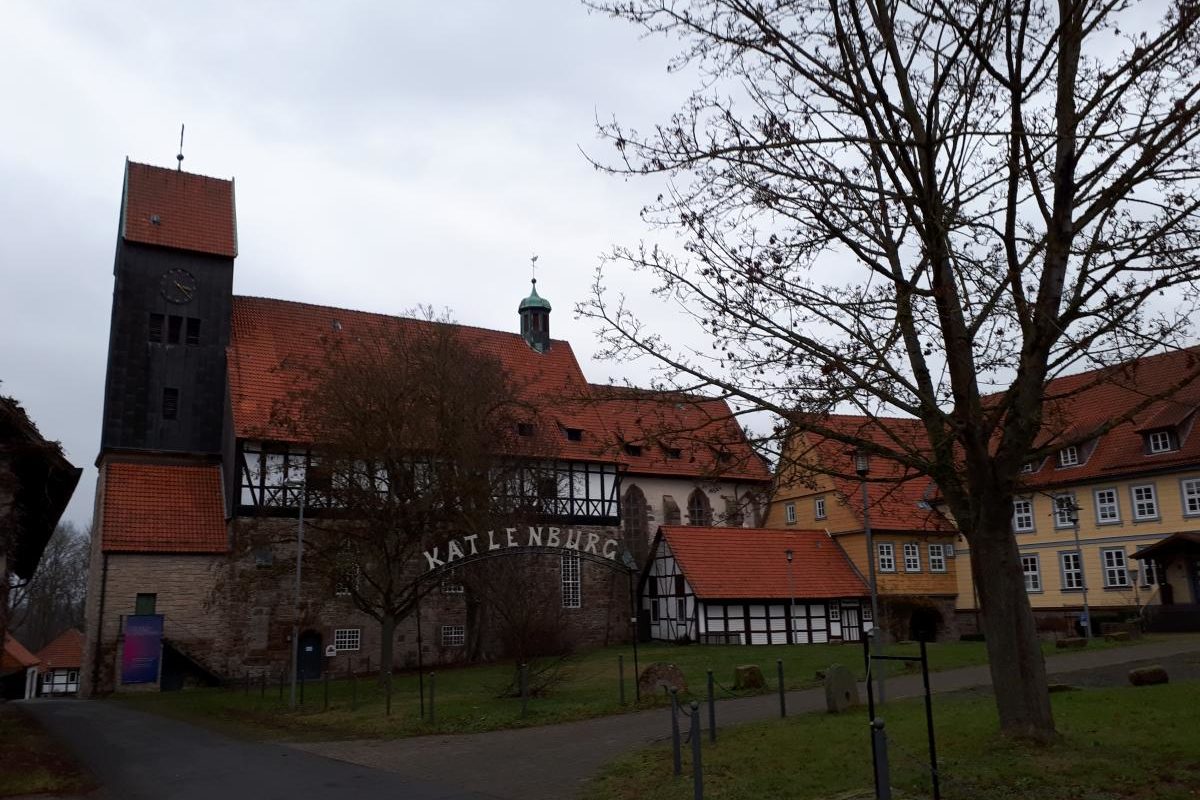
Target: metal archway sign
598,547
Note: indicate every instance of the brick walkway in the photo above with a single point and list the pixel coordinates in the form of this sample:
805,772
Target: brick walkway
552,762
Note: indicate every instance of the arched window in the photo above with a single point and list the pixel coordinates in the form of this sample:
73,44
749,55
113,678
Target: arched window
750,510
734,518
699,509
635,522
671,515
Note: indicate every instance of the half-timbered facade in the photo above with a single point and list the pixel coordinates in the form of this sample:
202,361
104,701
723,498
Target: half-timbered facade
752,586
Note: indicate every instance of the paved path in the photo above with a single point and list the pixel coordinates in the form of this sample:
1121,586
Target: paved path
137,756
554,761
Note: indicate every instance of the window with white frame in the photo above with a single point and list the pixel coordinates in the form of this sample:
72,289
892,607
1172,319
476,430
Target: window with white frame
1022,520
1033,573
1068,456
454,635
835,612
1108,506
1160,442
937,558
1072,572
347,640
789,513
1064,511
1150,575
1115,573
912,557
1029,466
819,508
1190,490
1145,502
571,595
887,556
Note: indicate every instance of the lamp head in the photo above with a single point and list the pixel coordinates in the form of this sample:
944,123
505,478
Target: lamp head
862,462
789,554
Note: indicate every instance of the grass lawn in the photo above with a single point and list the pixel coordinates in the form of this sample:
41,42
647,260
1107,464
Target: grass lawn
31,762
467,699
1125,743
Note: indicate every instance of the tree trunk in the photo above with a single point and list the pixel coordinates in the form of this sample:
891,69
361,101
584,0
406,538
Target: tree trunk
1014,650
387,648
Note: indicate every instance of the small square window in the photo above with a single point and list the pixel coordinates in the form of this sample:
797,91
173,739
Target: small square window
633,449
170,403
574,434
145,604
1029,466
525,429
835,612
1160,442
1068,456
789,513
347,639
262,556
674,453
454,635
819,508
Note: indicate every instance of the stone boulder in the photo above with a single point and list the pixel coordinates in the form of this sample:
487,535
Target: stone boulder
748,676
1147,676
841,689
661,676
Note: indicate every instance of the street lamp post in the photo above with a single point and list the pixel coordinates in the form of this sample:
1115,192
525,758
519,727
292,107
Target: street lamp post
1087,613
862,466
302,486
1137,600
791,600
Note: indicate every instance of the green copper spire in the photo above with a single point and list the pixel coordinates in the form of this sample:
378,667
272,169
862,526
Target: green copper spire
534,300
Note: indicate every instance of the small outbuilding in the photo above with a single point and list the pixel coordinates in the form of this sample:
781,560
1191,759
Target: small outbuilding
18,671
751,586
61,660
1176,561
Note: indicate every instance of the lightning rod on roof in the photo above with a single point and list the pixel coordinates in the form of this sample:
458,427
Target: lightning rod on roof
533,268
179,157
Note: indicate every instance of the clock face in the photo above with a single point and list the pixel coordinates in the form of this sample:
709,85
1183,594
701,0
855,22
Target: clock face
178,286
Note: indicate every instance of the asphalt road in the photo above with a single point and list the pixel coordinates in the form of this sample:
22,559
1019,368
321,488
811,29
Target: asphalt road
135,755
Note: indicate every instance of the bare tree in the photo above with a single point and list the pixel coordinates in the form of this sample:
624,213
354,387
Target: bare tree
925,209
53,599
414,429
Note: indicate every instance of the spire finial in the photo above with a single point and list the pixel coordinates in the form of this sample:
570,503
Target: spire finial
179,157
533,271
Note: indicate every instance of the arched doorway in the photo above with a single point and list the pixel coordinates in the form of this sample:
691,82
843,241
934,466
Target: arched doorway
308,664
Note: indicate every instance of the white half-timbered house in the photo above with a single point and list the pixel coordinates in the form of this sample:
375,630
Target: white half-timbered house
752,586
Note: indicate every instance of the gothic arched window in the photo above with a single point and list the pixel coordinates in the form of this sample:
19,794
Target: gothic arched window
635,522
699,509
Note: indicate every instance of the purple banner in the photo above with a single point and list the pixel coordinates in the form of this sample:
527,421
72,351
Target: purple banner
143,647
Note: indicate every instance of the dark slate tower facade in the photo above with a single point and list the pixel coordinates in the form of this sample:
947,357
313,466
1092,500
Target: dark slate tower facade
535,320
166,386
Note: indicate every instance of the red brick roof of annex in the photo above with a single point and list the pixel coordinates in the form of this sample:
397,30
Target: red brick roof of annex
193,212
898,498
1075,406
708,436
65,651
751,563
163,508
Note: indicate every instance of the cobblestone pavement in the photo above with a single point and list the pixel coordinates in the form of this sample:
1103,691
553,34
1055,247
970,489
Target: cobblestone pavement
553,762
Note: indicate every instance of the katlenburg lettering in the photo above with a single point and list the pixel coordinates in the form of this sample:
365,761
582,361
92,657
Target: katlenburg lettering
601,545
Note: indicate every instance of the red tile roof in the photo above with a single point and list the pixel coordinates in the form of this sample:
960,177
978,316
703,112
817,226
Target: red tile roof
898,498
65,652
193,212
751,563
14,656
707,435
159,508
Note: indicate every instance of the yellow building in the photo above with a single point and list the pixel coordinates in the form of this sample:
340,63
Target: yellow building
916,564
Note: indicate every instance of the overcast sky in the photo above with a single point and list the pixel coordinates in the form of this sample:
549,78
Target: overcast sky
386,155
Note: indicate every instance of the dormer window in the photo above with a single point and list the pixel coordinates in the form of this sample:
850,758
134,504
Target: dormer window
1068,457
1160,442
574,434
1029,466
633,449
525,429
674,453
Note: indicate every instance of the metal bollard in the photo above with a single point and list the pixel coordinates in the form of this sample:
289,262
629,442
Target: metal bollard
782,695
388,692
281,684
676,760
246,682
262,685
883,778
353,692
697,769
301,688
326,690
712,709
524,689
432,694
621,674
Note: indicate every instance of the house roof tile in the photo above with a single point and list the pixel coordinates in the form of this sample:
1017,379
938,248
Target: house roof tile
15,656
181,210
160,508
64,652
751,563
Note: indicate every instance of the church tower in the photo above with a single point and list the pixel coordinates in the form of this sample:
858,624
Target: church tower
172,298
535,320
